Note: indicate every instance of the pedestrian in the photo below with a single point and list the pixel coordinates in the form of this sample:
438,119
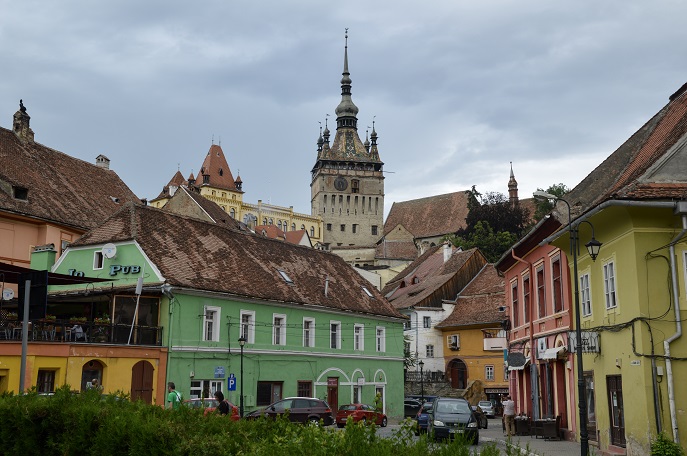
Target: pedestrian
173,396
223,406
95,384
509,416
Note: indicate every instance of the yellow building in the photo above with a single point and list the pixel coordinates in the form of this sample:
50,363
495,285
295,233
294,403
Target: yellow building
216,183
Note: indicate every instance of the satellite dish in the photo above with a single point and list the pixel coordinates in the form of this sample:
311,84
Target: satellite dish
7,294
109,250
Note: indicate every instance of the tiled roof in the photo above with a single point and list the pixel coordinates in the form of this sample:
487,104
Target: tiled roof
210,209
215,165
478,302
347,146
61,189
430,278
624,174
431,216
396,250
204,256
270,231
296,237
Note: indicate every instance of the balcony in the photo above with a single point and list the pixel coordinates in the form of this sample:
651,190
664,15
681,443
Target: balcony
77,331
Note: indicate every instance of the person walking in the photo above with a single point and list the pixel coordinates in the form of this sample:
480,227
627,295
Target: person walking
509,416
173,396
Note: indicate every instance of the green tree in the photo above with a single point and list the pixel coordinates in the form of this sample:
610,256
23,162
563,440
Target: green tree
491,244
544,207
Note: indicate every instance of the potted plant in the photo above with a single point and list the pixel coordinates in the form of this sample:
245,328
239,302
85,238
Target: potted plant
50,318
104,320
12,315
77,320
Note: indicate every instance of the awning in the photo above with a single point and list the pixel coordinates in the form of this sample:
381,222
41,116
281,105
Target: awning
518,367
551,353
12,274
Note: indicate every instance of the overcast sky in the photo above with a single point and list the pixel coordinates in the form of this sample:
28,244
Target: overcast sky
458,89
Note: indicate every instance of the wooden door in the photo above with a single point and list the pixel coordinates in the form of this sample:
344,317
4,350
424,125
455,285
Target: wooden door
333,393
615,407
459,374
142,382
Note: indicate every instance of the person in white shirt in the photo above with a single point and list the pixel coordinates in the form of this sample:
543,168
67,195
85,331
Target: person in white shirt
509,416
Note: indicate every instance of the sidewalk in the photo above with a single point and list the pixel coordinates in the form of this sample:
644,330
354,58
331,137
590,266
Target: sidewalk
539,447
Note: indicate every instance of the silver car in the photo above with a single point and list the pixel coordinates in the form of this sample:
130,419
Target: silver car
488,408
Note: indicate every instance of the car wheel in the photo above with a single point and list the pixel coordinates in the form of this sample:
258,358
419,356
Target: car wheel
314,421
384,422
364,420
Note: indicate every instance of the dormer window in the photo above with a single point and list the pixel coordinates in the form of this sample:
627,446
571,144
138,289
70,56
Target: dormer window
367,292
416,280
285,276
21,193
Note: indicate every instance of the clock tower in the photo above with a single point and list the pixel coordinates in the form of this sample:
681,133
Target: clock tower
347,186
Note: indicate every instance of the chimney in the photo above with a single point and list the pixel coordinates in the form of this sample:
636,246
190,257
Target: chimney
21,124
43,257
102,161
447,251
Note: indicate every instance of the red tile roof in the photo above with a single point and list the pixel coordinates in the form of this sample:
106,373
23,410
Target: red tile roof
478,302
628,173
61,189
396,250
215,165
194,254
269,231
431,216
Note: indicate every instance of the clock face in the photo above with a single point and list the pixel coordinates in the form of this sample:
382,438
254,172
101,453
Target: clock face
340,184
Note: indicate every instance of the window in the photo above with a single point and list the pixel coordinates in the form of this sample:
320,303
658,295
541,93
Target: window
304,388
516,307
374,230
308,332
358,337
204,388
343,227
489,372
355,185
429,351
585,296
20,193
271,221
303,227
609,285
293,227
526,297
381,339
357,394
285,276
541,292
46,381
354,228
329,226
453,341
278,329
211,324
406,325
98,260
232,213
335,335
312,231
248,326
426,322
557,285
268,392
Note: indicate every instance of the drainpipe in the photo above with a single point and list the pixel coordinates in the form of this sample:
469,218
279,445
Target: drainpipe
680,208
534,373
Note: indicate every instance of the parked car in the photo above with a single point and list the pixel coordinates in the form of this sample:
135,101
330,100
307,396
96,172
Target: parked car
482,421
488,408
411,407
422,418
451,417
360,412
210,405
300,410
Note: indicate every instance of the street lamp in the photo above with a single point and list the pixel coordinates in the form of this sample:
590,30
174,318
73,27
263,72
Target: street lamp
242,342
593,247
422,383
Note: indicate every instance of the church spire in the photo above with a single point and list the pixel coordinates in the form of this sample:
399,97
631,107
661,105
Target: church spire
512,187
346,111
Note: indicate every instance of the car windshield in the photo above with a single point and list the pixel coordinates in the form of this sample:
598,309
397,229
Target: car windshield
347,407
484,404
427,407
453,407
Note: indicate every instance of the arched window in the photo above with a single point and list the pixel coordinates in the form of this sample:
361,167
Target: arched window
271,221
302,227
312,231
279,224
232,213
293,227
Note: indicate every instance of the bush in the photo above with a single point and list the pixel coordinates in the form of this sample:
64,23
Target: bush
89,423
663,446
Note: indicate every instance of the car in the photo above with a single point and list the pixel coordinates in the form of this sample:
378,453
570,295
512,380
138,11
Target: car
451,417
488,408
482,421
300,410
422,418
209,404
411,407
360,412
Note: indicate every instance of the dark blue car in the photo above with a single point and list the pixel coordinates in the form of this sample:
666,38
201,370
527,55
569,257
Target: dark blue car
422,418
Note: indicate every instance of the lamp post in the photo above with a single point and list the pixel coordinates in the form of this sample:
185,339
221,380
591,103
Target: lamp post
593,247
242,342
422,382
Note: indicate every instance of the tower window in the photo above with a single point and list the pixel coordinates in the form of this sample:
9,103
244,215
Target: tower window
343,227
329,226
354,228
355,186
374,230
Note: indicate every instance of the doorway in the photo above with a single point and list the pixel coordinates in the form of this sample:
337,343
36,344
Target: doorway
459,374
333,393
142,382
615,407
